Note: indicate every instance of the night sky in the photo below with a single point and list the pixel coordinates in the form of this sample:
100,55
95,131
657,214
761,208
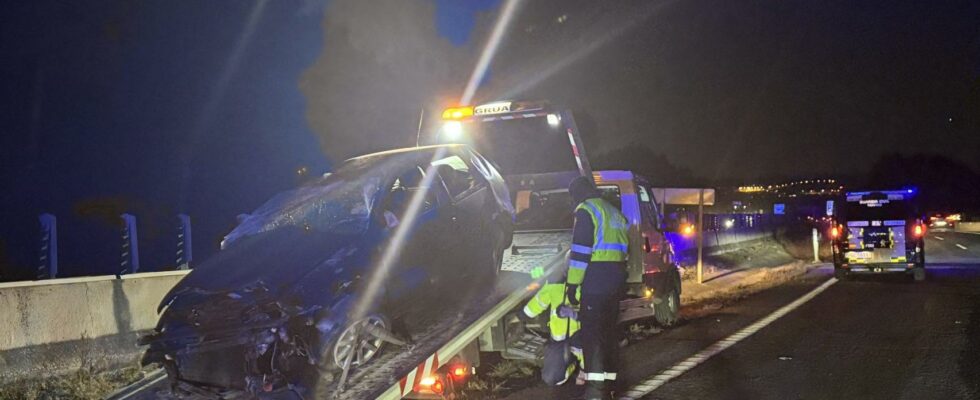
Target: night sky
208,108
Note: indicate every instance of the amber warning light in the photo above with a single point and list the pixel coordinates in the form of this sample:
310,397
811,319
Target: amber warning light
457,113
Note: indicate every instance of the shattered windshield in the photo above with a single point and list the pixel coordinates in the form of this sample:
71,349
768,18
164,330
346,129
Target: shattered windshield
338,203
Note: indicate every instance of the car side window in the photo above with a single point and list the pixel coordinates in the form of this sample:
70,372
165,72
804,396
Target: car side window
649,207
456,174
409,184
481,167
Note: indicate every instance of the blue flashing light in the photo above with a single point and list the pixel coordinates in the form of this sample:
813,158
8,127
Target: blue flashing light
886,192
615,175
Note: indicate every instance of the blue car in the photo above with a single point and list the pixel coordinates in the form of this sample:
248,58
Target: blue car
321,277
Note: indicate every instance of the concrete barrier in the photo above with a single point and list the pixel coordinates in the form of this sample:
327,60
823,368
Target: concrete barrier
967,227
61,325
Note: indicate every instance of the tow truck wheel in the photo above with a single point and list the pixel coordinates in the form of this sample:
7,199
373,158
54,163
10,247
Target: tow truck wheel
356,344
667,308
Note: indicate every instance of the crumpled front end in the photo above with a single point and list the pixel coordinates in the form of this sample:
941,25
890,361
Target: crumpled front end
243,340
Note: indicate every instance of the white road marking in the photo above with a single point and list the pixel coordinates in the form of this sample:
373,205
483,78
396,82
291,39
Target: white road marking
941,267
961,246
938,238
653,383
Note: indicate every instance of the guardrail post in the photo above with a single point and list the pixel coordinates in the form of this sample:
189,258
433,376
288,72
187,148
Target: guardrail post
184,244
48,264
699,231
816,246
130,262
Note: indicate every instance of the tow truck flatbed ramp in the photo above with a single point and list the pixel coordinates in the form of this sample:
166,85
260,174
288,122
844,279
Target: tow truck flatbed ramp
532,250
529,251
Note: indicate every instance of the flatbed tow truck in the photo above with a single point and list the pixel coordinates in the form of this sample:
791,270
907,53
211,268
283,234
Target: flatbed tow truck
538,150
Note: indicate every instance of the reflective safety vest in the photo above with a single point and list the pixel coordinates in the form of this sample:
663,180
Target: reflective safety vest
550,297
611,230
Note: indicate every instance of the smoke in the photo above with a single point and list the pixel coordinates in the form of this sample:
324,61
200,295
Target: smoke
382,62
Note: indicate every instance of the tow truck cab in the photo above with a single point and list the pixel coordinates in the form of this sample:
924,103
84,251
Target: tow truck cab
651,268
538,150
879,231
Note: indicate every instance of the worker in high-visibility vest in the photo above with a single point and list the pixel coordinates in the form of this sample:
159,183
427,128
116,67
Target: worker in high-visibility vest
563,325
600,244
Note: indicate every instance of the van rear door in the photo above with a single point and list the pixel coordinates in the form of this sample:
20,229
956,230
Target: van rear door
878,226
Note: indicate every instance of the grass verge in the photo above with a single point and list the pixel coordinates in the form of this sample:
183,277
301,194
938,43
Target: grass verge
80,385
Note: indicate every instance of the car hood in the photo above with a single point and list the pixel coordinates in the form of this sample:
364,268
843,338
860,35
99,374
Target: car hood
297,267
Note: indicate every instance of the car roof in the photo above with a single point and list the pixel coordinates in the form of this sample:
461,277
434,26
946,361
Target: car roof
421,149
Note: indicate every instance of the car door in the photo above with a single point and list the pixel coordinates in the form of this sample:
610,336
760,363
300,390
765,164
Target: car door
655,247
471,216
416,229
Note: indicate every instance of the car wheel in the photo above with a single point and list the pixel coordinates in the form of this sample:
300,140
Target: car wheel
496,256
841,274
498,261
919,273
356,344
666,306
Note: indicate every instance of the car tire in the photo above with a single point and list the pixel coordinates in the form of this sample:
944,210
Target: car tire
367,350
667,305
919,273
841,274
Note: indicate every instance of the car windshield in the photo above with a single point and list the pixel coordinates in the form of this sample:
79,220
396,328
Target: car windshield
338,203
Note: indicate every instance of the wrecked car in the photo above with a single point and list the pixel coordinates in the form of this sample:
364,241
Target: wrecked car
320,278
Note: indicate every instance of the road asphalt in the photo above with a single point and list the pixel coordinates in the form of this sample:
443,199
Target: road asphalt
870,337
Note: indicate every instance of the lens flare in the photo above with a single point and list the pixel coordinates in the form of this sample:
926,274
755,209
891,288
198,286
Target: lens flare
217,94
394,247
489,50
583,47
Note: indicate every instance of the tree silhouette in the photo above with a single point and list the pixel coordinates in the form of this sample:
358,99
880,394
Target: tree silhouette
944,184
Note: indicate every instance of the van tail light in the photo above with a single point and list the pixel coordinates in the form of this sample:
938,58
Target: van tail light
919,230
650,247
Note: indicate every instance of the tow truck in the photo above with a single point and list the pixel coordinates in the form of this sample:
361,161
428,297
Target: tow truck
879,231
538,150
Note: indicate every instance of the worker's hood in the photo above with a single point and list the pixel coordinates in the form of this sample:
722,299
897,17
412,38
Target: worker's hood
297,267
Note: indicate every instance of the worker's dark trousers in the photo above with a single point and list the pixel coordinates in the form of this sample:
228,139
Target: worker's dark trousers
604,286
